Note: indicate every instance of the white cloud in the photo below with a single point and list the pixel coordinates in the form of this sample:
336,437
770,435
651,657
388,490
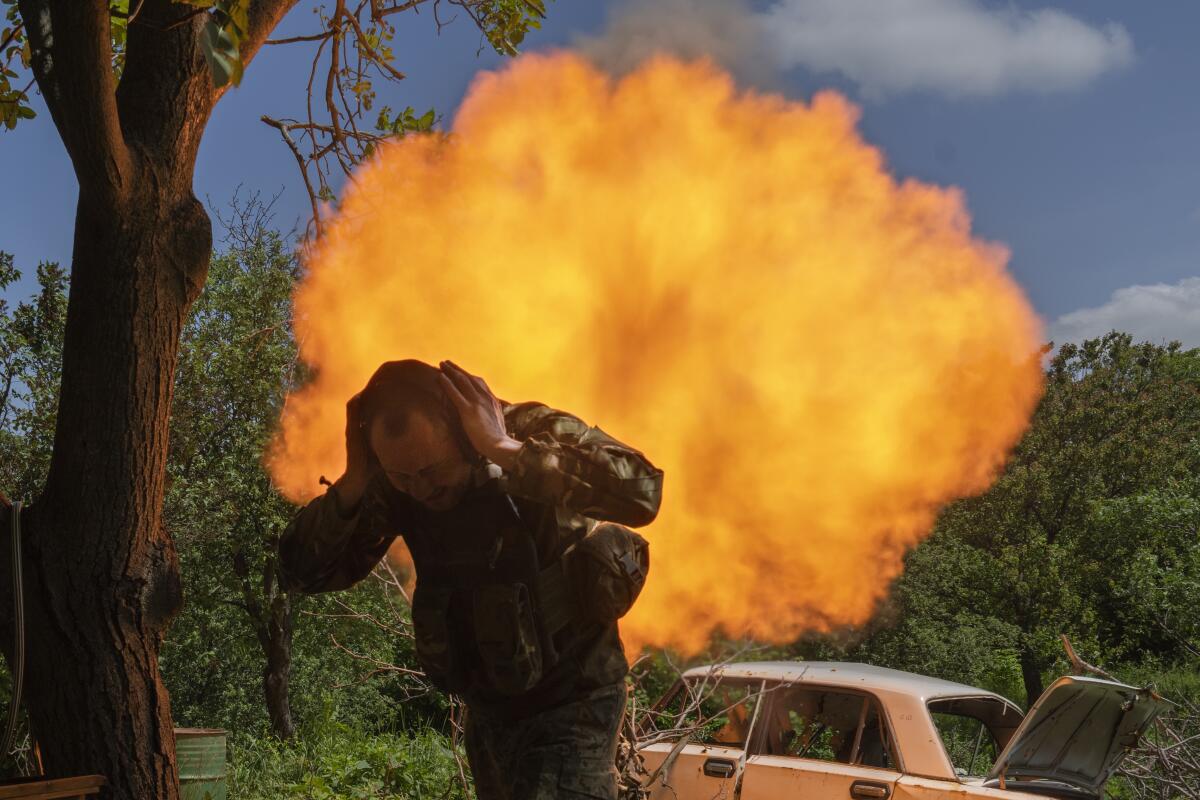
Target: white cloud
958,47
1158,313
955,47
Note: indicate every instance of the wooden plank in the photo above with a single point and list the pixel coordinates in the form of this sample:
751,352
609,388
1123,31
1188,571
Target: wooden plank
38,789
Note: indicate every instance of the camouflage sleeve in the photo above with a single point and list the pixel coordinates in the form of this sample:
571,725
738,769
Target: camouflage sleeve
565,462
323,551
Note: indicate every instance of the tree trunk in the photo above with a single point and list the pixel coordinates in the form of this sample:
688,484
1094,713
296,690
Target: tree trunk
101,575
273,619
277,674
1031,674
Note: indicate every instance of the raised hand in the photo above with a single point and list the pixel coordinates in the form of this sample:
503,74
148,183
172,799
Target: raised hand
352,484
480,412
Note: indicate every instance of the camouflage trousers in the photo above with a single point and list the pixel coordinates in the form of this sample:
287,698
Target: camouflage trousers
564,752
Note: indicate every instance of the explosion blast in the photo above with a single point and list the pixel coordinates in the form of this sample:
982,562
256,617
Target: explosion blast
818,355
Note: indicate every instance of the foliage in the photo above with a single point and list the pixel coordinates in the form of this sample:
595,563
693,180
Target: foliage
30,367
224,31
331,760
504,24
1090,531
14,51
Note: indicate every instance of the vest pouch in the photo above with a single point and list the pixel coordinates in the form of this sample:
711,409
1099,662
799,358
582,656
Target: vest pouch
430,615
606,571
507,637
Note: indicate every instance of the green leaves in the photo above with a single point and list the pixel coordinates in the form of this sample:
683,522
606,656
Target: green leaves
14,105
31,337
118,14
405,122
333,761
14,52
506,22
224,31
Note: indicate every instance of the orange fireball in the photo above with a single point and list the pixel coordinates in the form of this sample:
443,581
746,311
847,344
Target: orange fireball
818,355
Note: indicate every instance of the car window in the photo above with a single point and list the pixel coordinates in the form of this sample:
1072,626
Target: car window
968,743
710,711
973,731
810,722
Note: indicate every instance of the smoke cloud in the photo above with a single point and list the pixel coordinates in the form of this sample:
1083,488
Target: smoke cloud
728,32
953,47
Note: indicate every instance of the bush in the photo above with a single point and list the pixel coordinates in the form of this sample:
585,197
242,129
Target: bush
336,761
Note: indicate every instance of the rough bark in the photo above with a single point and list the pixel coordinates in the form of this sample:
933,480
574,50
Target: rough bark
102,577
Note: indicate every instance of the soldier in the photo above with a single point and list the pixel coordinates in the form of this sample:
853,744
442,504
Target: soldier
515,518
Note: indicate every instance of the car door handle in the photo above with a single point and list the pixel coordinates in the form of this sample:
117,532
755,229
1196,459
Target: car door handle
720,768
870,790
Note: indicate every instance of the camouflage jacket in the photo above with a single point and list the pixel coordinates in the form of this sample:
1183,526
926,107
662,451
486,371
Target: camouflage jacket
567,475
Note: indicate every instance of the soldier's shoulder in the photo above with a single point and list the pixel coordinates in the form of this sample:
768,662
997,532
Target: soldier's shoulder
532,416
525,415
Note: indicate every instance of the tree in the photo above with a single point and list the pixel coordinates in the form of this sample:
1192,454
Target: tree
130,88
1089,531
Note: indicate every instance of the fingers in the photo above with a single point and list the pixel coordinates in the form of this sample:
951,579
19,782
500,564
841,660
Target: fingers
453,392
472,389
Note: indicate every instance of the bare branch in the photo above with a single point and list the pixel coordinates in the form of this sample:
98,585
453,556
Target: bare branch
316,37
302,164
265,15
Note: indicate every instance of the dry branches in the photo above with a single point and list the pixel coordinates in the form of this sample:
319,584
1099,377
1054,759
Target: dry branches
694,708
1166,762
353,50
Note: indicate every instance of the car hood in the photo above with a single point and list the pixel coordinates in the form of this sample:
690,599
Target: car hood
1077,733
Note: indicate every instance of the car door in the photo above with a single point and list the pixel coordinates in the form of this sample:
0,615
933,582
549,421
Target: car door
818,742
698,748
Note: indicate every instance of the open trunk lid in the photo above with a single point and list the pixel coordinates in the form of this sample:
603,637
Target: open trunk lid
1076,734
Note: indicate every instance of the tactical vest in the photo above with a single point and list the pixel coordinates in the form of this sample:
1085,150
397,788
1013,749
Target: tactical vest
484,616
489,618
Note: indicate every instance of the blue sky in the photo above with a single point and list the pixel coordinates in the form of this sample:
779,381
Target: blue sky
1073,127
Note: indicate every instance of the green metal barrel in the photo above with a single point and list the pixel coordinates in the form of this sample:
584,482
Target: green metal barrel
201,756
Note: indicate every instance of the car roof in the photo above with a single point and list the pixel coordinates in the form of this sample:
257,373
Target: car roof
845,675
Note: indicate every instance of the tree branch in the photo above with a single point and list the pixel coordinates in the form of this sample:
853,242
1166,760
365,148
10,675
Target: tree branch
72,62
264,16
